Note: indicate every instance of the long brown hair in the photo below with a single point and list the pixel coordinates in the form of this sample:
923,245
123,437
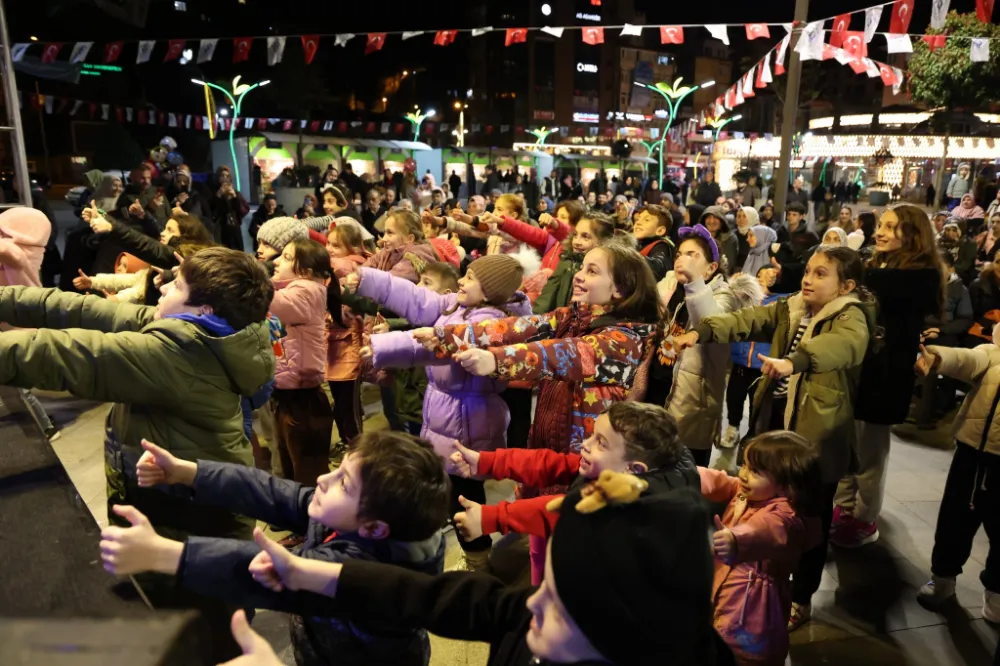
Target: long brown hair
601,225
574,209
919,249
313,260
633,278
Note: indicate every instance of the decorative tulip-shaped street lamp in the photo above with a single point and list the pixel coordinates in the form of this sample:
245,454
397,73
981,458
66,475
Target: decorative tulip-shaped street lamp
718,123
240,91
540,134
674,95
416,118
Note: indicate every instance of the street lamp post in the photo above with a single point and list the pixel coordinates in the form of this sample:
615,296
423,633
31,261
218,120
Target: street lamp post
540,134
460,107
718,123
674,96
417,118
240,91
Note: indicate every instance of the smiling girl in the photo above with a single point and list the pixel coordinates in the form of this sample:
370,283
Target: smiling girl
818,338
404,249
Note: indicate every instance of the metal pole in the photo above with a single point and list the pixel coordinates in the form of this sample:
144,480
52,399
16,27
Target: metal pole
790,111
13,112
41,127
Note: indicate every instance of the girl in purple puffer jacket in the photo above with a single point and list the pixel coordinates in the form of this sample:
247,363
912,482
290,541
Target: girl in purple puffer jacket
457,405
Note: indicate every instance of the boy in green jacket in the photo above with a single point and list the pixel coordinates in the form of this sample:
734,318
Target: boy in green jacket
176,374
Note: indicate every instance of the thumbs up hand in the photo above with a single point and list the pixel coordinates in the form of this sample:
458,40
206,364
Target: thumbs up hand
256,650
469,523
130,550
724,542
463,462
158,466
83,283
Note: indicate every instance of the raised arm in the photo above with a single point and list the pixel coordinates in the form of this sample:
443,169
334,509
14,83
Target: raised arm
965,365
756,324
524,516
253,493
144,247
537,468
418,305
34,307
539,239
768,533
843,346
717,486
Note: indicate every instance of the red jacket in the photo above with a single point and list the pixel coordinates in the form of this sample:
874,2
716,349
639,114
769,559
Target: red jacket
538,468
548,243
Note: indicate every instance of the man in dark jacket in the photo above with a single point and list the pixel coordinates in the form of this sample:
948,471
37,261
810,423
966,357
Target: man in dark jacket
709,191
455,183
798,193
385,503
795,242
492,179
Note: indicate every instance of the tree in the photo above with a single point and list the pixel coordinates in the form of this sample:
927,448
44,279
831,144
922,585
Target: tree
948,77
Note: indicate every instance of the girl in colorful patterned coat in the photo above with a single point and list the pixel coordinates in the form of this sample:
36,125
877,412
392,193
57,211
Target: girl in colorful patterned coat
584,356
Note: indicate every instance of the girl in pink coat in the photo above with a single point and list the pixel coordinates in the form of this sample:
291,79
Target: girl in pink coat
763,531
24,232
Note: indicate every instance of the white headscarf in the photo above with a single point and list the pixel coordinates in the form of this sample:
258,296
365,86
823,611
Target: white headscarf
753,219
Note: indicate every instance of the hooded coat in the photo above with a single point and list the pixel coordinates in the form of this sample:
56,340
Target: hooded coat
457,405
24,233
728,247
760,254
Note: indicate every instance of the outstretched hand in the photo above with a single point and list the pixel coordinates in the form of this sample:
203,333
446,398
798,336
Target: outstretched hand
463,462
469,523
157,466
256,650
83,283
427,337
724,542
273,566
775,368
926,363
130,550
479,362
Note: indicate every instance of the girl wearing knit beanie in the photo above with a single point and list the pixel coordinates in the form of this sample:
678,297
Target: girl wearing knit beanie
457,404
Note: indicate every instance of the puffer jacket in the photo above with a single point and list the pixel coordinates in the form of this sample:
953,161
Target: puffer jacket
976,423
745,353
558,289
827,367
343,354
457,405
753,595
548,243
177,381
406,262
586,355
301,344
698,392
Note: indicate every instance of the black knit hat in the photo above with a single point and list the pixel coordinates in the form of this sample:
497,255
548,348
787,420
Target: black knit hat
637,577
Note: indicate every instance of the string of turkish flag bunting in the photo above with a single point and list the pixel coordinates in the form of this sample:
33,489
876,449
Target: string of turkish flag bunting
849,47
902,11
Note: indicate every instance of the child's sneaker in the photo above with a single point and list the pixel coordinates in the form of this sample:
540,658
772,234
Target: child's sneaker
730,438
801,613
936,592
991,607
853,533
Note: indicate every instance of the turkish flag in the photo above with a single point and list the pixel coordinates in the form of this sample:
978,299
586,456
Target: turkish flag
756,30
398,128
840,25
197,123
51,52
93,109
309,45
370,128
376,40
112,51
141,115
161,118
241,48
119,114
593,36
671,34
174,49
314,126
902,12
261,123
445,37
287,125
828,52
984,10
858,66
516,36
854,44
888,76
935,42
489,130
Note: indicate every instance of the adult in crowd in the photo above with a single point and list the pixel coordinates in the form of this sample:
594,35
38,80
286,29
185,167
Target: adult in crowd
709,191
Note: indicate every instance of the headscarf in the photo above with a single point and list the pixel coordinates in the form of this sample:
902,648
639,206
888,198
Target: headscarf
840,234
103,195
759,256
973,213
753,219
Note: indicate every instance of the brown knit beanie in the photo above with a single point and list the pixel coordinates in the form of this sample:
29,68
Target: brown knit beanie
499,276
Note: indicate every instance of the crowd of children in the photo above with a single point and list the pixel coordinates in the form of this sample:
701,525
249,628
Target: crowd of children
595,360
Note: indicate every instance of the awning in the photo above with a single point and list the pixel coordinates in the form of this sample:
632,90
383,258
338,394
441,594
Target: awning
645,160
282,137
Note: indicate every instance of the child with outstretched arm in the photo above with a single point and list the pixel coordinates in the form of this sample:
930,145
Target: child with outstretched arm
385,503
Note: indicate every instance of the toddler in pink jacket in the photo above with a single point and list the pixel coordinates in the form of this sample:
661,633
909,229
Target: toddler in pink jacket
761,535
24,233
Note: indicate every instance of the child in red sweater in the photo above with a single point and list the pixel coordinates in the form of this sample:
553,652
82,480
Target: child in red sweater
630,437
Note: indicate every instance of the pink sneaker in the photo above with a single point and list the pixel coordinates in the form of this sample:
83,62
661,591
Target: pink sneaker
853,533
838,519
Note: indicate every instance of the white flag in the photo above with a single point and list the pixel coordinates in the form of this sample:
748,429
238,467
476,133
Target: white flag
303,123
810,45
748,80
629,29
171,120
555,32
414,33
788,27
105,110
842,56
187,122
476,32
872,69
145,50
17,52
206,50
248,123
719,32
939,10
385,128
872,16
275,50
898,43
765,72
779,58
204,123
76,107
899,80
739,95
80,52
341,40
49,102
980,50
128,114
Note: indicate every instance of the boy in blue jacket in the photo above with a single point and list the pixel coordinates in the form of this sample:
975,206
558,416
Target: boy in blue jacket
385,503
746,368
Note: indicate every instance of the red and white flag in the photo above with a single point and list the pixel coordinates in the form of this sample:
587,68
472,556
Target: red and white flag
310,43
779,56
887,73
854,44
984,10
671,34
376,40
935,42
516,36
175,47
902,12
757,30
840,25
747,83
445,37
51,52
241,48
593,36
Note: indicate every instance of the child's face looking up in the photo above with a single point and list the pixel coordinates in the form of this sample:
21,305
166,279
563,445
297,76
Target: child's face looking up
821,282
174,300
470,292
338,496
605,450
265,252
433,282
757,486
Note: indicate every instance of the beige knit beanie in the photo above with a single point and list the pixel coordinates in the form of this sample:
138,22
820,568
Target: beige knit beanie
499,276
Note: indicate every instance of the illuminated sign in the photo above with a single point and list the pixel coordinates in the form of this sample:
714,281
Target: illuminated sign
579,117
87,69
586,67
596,18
